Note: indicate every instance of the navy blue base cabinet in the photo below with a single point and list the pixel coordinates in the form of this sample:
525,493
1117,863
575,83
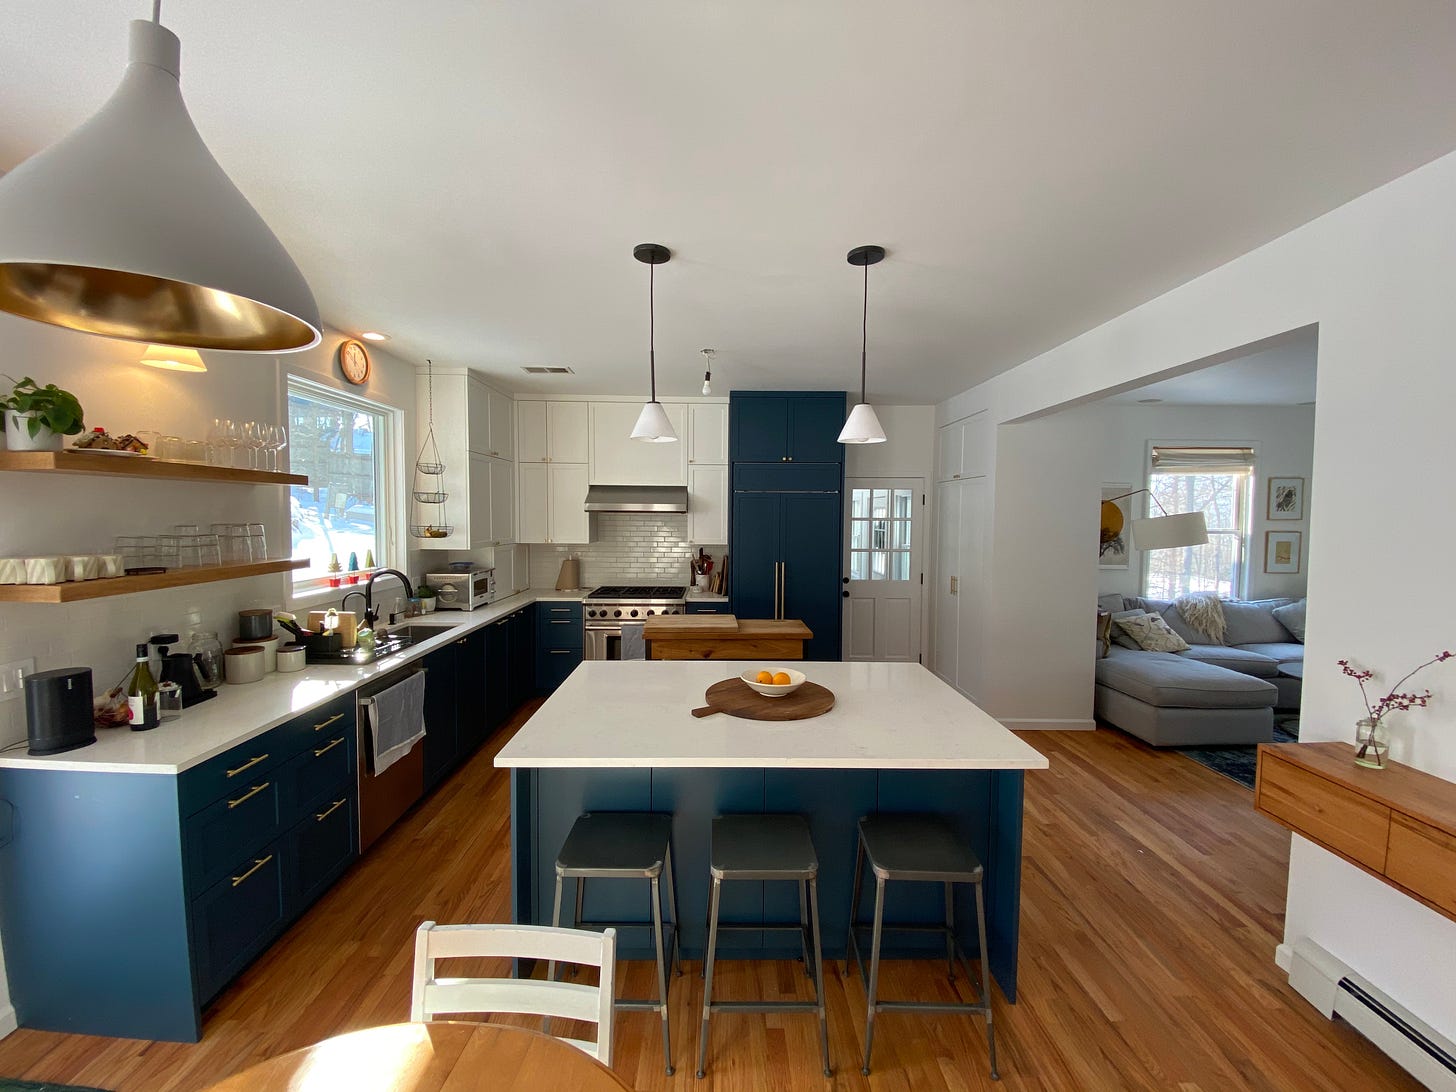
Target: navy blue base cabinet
558,643
129,900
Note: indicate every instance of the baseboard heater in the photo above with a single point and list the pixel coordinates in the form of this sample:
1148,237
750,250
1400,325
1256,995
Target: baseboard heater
1333,988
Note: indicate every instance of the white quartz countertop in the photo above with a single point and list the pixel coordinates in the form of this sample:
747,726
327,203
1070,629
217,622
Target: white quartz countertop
240,713
637,714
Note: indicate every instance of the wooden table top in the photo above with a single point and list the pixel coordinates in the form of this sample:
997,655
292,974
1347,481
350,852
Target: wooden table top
432,1057
724,627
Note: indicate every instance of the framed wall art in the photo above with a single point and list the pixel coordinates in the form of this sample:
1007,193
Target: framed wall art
1281,551
1112,551
1286,498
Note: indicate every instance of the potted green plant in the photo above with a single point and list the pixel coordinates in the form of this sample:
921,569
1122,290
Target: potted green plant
35,417
427,598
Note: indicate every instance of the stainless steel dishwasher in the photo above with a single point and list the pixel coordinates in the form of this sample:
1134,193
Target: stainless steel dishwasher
384,798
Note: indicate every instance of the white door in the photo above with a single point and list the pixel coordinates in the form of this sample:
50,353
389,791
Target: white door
947,579
884,519
971,599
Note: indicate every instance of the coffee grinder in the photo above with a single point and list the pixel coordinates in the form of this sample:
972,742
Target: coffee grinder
182,668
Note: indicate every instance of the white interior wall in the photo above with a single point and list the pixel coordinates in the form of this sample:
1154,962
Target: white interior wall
61,514
1283,437
1375,275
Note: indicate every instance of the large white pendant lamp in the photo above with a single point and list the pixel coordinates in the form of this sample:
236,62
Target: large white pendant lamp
652,426
128,228
863,427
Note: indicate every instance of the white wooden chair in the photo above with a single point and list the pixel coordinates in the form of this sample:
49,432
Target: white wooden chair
433,996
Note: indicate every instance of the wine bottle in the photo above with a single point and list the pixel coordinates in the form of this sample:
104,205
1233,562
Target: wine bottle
141,694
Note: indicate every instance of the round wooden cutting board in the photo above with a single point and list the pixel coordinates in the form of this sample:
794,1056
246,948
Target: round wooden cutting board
736,698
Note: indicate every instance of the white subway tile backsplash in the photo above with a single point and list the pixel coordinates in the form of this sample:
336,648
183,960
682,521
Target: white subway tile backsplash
630,548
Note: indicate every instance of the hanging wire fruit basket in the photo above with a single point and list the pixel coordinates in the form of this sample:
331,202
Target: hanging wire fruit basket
428,489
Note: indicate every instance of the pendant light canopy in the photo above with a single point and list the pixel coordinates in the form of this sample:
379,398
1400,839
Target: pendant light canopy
128,228
652,426
863,427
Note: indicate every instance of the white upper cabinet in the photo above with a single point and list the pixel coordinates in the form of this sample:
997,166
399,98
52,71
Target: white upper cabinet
552,432
502,501
963,448
617,459
708,433
534,503
490,415
553,503
708,504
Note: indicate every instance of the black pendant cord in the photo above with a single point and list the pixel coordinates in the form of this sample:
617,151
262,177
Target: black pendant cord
652,327
864,333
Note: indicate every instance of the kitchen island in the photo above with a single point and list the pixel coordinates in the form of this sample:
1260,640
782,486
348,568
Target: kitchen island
724,637
619,736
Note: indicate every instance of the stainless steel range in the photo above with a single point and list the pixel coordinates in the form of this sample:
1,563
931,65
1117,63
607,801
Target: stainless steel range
606,608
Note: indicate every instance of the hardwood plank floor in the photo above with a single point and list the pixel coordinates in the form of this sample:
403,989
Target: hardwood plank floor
1153,897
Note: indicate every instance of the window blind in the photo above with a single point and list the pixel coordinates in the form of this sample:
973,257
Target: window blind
1203,460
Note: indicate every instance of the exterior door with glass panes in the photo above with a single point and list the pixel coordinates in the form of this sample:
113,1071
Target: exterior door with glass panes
884,518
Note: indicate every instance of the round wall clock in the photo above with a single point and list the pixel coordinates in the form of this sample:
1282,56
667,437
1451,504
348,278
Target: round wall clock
354,362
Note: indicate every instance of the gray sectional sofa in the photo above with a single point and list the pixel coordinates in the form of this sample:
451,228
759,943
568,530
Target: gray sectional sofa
1211,693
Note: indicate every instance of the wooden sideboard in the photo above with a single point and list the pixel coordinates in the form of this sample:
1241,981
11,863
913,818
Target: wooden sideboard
1398,824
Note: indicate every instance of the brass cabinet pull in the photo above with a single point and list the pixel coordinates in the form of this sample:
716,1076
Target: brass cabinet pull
247,765
319,817
254,791
327,747
325,724
257,864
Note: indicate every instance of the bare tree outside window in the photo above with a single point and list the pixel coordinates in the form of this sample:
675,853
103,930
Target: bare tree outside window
1218,567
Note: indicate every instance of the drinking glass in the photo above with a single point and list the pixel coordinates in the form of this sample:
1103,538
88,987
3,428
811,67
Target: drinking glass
258,541
194,451
209,550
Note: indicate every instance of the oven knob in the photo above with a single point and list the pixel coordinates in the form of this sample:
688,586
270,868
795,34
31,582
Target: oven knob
591,614
649,613
616,614
634,614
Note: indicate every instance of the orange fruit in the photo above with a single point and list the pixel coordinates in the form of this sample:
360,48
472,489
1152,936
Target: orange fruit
765,676
782,679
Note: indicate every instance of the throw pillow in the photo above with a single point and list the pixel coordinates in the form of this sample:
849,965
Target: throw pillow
1291,617
1152,634
1252,624
1118,636
1104,633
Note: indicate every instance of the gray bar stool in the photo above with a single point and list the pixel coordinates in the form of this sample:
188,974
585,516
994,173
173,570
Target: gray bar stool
922,848
766,847
624,846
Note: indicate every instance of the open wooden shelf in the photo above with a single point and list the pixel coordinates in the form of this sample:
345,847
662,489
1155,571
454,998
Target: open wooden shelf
76,590
86,462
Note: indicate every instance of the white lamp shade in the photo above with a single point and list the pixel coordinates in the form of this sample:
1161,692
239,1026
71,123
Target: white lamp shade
128,228
652,426
863,427
1170,532
173,359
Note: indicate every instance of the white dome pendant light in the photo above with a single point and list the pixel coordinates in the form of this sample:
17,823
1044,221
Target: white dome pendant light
128,228
652,426
863,427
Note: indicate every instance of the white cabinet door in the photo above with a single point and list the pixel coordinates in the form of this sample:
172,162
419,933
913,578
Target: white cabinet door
568,428
950,440
971,598
477,415
617,459
533,503
531,431
501,415
569,519
947,578
477,515
708,505
502,501
708,433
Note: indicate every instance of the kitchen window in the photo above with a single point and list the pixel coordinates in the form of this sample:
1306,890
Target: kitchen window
879,533
342,444
1215,481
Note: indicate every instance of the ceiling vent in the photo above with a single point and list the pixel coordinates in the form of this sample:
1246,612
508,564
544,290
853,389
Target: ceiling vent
542,369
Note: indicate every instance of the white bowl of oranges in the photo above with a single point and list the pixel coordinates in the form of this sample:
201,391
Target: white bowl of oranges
776,683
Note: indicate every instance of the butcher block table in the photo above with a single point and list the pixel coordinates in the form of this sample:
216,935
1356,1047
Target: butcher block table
724,637
433,1057
621,735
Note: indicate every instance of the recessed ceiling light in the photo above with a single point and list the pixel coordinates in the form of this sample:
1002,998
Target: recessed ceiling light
542,369
372,335
1148,401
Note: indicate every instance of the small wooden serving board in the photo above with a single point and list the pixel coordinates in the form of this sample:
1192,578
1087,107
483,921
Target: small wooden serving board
736,698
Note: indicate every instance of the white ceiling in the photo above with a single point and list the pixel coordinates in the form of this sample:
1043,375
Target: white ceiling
1280,376
471,177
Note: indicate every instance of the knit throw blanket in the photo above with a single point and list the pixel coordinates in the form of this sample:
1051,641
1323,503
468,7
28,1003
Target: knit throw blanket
1203,613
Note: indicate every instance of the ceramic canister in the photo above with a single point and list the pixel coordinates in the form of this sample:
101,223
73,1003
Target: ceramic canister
291,658
243,664
269,647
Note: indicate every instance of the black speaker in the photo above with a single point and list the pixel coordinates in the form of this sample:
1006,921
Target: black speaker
58,712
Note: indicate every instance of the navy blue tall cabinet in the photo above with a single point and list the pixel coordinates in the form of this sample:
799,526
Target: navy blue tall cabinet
787,510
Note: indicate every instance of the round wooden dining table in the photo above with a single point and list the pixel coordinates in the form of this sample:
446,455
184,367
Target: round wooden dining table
429,1057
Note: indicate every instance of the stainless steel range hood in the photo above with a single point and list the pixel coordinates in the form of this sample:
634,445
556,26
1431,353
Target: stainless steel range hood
636,498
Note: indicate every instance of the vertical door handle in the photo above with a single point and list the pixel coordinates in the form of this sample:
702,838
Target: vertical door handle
783,588
954,589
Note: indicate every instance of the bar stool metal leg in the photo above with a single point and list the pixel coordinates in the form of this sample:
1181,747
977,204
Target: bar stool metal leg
986,978
874,987
813,886
804,927
672,912
708,972
851,946
950,930
661,973
555,920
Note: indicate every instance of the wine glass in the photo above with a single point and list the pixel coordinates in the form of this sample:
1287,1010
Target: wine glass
253,441
270,445
280,443
216,440
232,436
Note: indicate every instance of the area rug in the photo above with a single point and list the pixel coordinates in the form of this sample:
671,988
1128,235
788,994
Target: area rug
11,1084
1237,762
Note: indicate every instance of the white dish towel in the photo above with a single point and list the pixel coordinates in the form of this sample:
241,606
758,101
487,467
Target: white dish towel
396,720
633,646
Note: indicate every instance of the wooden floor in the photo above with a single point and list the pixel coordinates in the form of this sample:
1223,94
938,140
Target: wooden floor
1153,898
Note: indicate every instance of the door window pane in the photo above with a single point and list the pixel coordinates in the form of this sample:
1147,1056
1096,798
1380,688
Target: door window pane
859,565
879,533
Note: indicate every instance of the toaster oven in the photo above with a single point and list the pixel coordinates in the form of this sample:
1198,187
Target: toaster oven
462,591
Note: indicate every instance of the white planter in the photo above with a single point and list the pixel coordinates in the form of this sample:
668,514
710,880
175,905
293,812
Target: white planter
18,438
427,604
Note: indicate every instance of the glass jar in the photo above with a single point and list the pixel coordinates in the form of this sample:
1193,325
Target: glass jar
1372,743
206,652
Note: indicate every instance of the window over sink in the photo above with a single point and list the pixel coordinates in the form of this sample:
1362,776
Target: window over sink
344,445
